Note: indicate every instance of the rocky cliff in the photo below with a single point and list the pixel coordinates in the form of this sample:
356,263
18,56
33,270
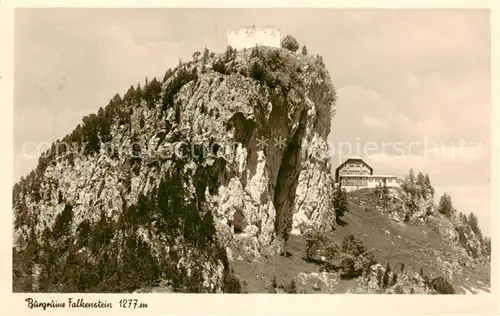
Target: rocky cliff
222,159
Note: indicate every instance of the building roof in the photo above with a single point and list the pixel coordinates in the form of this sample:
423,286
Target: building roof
351,159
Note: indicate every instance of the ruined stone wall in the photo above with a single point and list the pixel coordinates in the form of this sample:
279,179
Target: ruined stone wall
247,37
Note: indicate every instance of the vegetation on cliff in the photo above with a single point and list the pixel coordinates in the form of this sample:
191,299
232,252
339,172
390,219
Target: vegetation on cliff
164,233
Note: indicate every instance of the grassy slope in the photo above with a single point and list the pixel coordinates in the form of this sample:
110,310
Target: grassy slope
416,245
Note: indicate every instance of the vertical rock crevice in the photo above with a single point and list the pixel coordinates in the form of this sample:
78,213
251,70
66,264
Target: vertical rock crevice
287,180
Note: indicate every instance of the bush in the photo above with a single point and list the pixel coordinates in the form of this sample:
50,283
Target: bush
442,286
271,286
356,259
289,42
353,245
314,240
291,288
257,71
348,270
219,66
231,283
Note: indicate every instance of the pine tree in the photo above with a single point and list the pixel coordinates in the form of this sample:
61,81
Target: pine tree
385,279
206,55
385,194
445,206
420,179
474,225
421,184
286,236
168,74
320,61
429,185
293,287
394,279
129,95
411,176
487,246
339,202
196,55
304,50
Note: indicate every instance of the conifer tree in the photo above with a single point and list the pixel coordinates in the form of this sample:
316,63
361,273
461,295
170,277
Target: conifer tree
429,185
394,279
339,202
411,176
196,55
445,206
420,179
474,224
206,55
304,50
385,279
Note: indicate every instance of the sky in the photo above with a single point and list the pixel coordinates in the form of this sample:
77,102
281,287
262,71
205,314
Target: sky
413,85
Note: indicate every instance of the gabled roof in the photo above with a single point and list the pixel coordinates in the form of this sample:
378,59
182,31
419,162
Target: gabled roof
351,159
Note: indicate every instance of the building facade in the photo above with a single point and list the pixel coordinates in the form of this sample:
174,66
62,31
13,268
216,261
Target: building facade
355,173
248,37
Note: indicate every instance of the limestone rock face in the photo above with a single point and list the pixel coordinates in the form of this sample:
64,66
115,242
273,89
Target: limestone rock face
238,137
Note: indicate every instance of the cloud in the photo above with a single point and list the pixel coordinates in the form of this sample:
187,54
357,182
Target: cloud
472,151
372,122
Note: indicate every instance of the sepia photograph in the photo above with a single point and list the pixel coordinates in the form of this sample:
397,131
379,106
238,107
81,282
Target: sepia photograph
251,150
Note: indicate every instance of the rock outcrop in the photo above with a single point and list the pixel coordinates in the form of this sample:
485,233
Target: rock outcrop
222,159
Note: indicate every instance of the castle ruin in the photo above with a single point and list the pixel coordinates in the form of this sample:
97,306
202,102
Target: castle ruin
248,37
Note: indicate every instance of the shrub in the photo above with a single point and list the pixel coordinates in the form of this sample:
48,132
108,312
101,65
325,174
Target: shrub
353,245
219,66
231,283
442,286
289,42
271,286
291,288
257,71
348,270
314,240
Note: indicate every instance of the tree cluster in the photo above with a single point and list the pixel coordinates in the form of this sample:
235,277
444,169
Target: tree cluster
181,78
418,186
111,256
468,228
